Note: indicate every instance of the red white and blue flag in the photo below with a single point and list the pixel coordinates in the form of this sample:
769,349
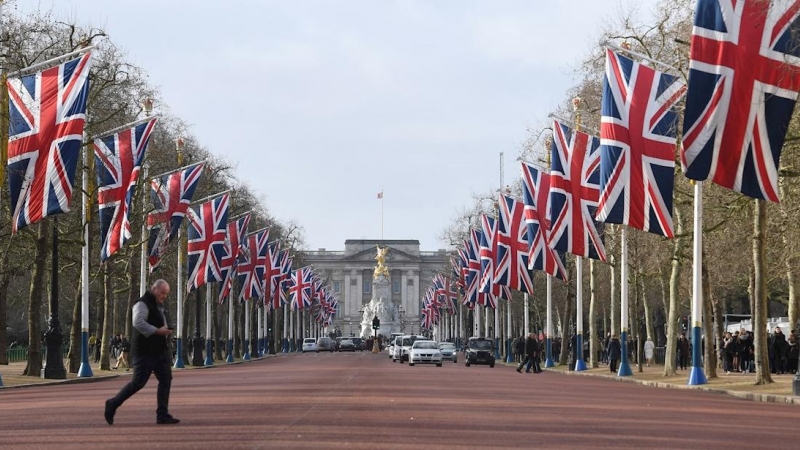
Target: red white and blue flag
488,247
272,275
744,74
46,116
511,259
300,288
574,192
207,233
472,293
251,270
171,196
637,145
118,161
235,246
536,195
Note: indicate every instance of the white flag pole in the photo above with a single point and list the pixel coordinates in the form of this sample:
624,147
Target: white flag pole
246,307
229,358
85,369
180,285
209,361
548,362
624,365
697,376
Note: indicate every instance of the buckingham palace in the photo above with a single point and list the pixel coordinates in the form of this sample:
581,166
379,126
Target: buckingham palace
349,273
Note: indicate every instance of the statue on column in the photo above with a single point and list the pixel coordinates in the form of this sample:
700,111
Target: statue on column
381,268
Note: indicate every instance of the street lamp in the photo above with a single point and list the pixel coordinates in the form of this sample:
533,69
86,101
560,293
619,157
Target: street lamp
401,311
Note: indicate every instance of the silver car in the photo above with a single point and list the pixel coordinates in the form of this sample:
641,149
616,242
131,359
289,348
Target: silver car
449,352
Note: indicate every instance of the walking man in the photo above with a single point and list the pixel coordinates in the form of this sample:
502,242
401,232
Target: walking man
150,353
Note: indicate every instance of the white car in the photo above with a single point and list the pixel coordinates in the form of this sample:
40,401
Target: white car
394,349
405,346
309,345
425,352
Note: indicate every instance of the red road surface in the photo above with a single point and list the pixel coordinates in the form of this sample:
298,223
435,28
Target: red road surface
362,400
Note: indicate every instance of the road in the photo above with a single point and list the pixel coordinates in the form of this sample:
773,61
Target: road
361,400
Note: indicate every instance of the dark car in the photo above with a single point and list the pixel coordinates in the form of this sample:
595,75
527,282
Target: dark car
346,345
359,343
479,351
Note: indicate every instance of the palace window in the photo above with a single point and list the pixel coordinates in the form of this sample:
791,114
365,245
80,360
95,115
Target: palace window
396,287
337,287
368,286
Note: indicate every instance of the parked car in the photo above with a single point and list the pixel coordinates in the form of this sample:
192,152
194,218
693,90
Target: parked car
449,352
309,345
346,345
425,352
479,351
324,344
405,345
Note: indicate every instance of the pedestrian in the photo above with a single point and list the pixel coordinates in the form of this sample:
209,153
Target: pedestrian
779,347
614,352
150,352
514,344
649,348
124,349
683,351
92,343
520,349
727,352
531,350
793,352
98,344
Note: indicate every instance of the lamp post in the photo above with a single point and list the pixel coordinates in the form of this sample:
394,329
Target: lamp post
401,311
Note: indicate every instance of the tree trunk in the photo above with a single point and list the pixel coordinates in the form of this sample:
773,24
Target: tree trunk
187,336
216,322
133,293
108,305
74,354
636,319
709,356
35,299
593,347
648,317
563,358
791,259
5,278
674,296
718,327
760,283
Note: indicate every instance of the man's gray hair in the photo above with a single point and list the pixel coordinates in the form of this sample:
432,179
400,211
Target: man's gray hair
160,283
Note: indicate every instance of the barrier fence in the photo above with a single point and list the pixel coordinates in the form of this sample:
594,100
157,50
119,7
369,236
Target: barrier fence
19,354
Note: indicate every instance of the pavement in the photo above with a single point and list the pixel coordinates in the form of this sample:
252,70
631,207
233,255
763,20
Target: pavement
360,400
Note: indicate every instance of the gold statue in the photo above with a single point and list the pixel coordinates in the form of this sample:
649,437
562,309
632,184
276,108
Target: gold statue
381,268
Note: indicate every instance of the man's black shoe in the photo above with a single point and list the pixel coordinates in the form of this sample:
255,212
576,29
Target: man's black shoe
167,421
519,370
109,413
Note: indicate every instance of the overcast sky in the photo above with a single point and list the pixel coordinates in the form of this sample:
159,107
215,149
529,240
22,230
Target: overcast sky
322,104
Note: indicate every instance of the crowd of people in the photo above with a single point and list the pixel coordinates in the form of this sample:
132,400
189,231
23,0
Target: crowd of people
120,348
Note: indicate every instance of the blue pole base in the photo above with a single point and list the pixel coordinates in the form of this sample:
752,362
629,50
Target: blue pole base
497,349
246,356
229,358
209,361
284,345
548,349
179,354
1,380
261,348
85,370
624,365
697,376
509,352
580,365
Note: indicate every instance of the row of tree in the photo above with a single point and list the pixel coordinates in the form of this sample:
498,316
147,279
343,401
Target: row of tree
118,89
743,252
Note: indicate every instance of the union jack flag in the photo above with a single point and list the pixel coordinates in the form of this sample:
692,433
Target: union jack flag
488,248
171,195
743,83
46,115
574,192
511,259
535,195
118,161
472,292
207,241
637,145
300,288
447,292
272,275
235,246
251,270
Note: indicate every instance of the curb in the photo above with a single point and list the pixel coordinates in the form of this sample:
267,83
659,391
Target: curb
752,396
98,378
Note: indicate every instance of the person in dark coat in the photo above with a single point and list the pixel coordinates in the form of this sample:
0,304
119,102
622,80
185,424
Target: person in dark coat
614,353
779,347
531,351
683,351
520,349
150,353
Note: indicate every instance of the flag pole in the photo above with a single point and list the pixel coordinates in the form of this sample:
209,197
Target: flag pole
577,352
285,343
85,369
179,288
624,366
697,376
526,313
209,361
497,312
381,214
246,306
229,357
548,362
147,106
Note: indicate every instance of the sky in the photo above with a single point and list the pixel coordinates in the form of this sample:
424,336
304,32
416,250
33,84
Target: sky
322,104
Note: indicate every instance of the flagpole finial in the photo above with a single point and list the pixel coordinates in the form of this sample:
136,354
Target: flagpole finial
179,144
576,106
147,105
626,45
